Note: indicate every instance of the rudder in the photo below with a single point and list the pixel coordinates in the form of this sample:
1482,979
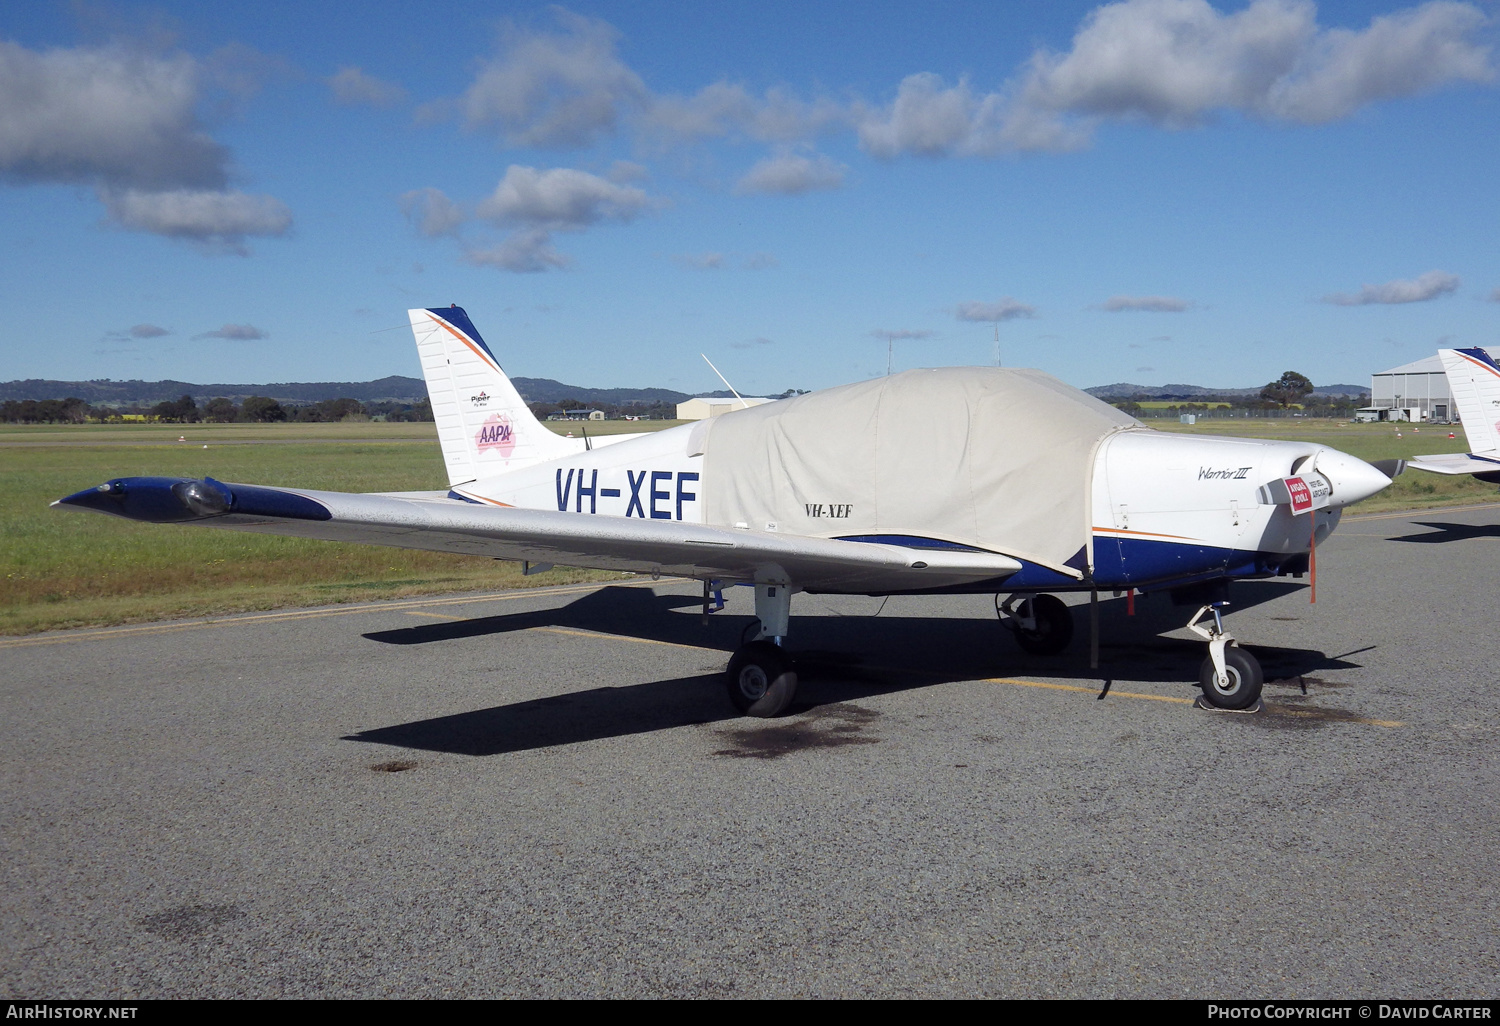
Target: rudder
483,425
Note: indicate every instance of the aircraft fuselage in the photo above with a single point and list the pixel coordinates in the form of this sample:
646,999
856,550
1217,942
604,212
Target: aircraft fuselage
1167,509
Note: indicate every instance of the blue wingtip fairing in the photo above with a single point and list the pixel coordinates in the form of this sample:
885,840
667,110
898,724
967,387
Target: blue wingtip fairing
175,500
456,316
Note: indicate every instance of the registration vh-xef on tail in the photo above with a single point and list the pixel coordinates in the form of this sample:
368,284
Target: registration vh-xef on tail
948,480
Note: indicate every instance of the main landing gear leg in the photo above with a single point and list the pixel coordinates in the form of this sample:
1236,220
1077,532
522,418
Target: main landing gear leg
1230,677
762,680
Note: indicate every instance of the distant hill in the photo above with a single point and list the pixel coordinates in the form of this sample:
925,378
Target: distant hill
125,393
545,390
392,389
1198,393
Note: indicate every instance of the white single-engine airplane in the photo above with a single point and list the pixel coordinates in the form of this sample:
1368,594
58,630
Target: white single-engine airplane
1474,380
971,479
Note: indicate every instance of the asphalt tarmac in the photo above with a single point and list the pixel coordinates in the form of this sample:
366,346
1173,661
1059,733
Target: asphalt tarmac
546,794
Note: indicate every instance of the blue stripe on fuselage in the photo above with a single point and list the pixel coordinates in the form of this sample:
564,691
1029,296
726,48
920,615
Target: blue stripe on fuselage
1126,563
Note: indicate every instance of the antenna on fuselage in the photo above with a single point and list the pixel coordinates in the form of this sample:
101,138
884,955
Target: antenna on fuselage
727,385
997,343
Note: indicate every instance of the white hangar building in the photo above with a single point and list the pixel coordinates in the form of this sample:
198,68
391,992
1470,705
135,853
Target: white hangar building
1413,391
703,408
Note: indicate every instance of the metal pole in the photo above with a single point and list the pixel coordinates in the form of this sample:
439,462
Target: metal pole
1094,628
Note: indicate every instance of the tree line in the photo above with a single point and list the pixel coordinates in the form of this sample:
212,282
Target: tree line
257,409
1289,390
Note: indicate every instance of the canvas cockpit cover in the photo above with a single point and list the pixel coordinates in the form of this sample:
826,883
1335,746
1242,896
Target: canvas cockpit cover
994,458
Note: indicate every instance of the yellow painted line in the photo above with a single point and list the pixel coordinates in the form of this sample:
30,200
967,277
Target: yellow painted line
306,614
1323,714
435,616
1274,710
1423,511
620,637
1089,691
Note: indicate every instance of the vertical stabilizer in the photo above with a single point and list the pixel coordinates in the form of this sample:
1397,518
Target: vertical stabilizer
483,425
1474,379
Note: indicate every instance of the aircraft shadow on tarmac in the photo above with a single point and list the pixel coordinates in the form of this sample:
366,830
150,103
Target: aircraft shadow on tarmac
839,658
1444,532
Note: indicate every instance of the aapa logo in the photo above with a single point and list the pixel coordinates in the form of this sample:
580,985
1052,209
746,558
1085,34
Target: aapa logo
499,434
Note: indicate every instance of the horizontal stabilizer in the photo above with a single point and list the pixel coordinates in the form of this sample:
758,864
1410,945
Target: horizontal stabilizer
1457,463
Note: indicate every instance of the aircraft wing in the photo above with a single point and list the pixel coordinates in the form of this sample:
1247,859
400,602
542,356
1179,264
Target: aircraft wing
1457,463
415,521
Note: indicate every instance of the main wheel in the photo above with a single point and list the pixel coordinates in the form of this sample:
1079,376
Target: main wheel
1054,627
761,680
1245,679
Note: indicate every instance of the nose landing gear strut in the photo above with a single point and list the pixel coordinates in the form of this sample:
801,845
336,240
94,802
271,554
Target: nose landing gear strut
1231,678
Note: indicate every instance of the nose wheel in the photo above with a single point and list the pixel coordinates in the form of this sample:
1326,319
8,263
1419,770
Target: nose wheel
1230,677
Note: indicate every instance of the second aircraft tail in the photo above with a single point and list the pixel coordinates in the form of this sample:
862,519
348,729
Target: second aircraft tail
1474,380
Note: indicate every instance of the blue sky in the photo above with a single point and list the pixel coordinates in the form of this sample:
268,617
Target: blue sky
1149,191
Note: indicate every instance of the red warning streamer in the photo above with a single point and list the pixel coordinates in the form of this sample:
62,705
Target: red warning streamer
1312,556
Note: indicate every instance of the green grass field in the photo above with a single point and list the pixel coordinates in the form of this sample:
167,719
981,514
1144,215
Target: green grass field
73,569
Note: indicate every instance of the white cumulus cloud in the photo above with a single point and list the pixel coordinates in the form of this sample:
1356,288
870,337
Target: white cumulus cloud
1175,62
526,252
926,118
532,205
126,122
104,116
221,219
723,109
792,174
235,333
432,212
352,86
1403,290
1006,309
553,89
562,198
1152,304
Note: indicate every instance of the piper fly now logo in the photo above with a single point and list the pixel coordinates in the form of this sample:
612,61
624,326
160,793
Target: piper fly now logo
497,434
1223,475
